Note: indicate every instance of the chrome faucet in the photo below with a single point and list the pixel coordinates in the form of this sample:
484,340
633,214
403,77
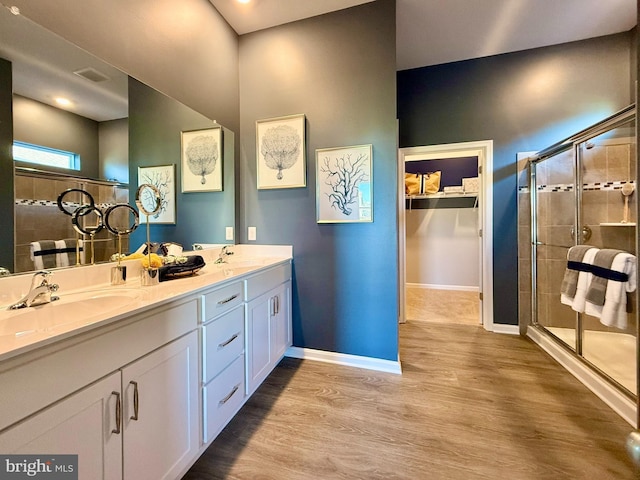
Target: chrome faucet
39,293
224,253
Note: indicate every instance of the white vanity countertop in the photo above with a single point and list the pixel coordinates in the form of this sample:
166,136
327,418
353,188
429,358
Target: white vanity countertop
87,302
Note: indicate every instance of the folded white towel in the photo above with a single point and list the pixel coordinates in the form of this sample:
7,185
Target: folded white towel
614,311
584,280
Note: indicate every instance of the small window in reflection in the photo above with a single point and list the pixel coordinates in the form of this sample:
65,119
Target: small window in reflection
26,152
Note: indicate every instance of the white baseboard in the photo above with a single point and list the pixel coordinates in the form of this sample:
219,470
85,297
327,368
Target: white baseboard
357,361
619,403
506,329
460,288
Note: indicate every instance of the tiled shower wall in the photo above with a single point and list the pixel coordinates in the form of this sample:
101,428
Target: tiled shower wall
606,166
37,216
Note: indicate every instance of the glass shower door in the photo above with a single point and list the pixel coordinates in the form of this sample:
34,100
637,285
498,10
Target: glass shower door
554,207
608,209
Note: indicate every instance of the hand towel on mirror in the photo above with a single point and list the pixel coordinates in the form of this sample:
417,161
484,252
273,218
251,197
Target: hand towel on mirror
43,254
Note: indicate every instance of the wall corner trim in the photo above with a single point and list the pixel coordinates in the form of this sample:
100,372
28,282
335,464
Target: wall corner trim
346,359
506,329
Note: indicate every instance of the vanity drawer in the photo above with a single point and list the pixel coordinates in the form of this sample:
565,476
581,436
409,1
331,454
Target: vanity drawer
267,280
222,398
222,342
222,300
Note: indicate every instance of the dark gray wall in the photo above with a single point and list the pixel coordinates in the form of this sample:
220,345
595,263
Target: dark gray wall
184,49
339,70
40,124
113,149
6,167
155,123
523,101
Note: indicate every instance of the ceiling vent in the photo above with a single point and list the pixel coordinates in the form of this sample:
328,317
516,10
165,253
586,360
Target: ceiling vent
91,74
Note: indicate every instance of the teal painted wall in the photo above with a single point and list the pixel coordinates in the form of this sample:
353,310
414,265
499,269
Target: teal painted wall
339,70
523,101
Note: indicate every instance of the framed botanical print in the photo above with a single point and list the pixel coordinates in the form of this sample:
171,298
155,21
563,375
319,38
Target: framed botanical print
201,160
281,152
163,178
344,184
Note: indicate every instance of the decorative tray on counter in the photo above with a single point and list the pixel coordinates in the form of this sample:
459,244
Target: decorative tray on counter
180,269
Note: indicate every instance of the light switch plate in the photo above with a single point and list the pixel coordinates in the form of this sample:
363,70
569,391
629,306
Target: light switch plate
251,233
228,233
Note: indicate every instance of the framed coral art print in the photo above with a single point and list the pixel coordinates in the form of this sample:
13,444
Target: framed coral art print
201,160
163,178
280,152
344,184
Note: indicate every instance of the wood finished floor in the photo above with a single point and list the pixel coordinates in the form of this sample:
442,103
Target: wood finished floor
469,405
442,306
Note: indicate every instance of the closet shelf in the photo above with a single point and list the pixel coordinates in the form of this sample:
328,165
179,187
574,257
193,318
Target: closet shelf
617,224
441,200
441,195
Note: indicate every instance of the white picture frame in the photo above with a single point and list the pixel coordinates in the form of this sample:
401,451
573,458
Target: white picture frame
163,178
281,152
344,184
201,160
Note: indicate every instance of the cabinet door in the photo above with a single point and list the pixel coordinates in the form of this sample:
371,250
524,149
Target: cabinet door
281,322
82,424
258,333
160,393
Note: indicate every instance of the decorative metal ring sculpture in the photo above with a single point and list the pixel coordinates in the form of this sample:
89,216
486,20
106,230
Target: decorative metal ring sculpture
81,212
127,231
79,190
155,195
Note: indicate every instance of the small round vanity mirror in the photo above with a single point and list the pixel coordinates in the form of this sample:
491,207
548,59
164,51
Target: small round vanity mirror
70,208
117,222
88,228
148,199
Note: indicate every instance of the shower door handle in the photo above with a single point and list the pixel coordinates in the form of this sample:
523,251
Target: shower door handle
586,233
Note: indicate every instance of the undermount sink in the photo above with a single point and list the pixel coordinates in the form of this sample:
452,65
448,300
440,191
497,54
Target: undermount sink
72,308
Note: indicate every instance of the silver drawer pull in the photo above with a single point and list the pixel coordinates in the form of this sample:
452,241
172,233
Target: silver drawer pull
228,397
224,344
227,300
118,413
135,401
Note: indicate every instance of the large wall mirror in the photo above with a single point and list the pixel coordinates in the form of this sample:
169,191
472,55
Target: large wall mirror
113,125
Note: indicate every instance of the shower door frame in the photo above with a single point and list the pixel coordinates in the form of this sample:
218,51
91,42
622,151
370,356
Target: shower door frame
610,391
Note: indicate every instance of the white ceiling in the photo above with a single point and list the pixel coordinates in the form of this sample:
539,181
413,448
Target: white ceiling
431,32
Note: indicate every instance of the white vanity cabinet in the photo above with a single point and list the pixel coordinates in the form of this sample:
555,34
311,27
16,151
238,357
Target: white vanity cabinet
222,358
82,424
268,322
140,421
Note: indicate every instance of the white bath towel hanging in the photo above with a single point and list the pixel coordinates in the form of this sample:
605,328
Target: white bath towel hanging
584,280
614,311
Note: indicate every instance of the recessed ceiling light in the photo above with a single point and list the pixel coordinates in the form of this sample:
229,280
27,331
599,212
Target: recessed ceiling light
244,1
65,102
15,10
